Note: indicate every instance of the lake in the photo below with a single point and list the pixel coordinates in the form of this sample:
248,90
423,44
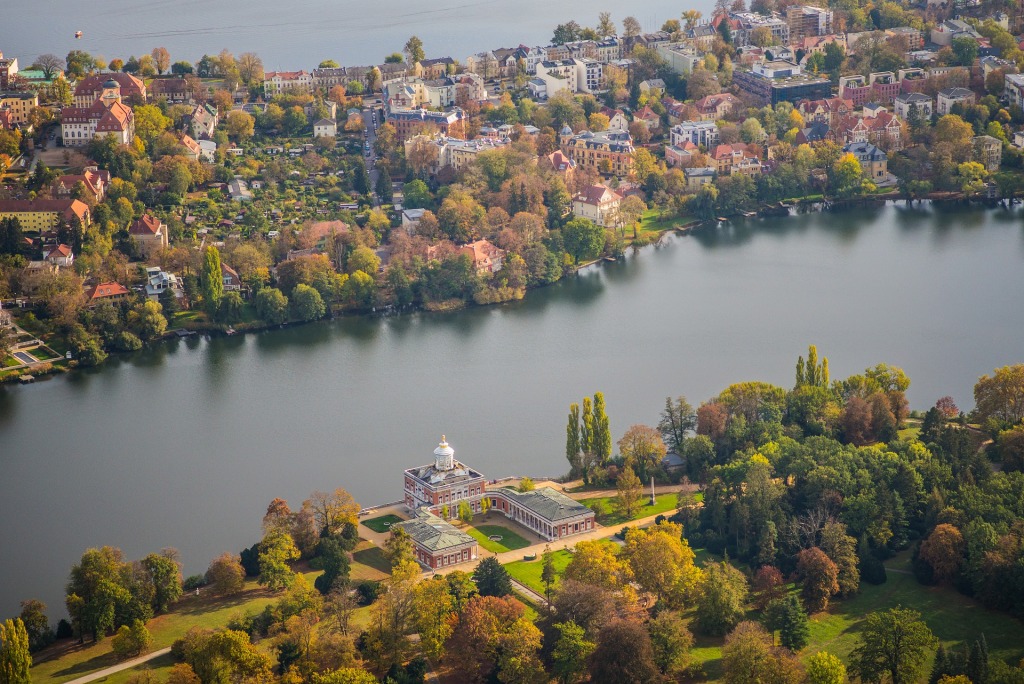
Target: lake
299,35
186,443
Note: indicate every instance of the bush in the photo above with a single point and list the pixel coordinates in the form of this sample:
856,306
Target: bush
193,582
621,534
126,342
64,630
368,591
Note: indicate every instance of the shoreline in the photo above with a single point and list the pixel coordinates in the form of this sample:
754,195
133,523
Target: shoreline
51,369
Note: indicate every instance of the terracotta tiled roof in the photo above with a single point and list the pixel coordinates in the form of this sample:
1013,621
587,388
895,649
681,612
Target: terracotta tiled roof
67,208
104,290
145,225
130,85
59,251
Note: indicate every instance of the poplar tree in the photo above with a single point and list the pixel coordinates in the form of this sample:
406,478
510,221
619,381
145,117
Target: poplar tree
587,439
572,440
15,660
602,440
211,281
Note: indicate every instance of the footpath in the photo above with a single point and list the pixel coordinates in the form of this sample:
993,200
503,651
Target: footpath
126,665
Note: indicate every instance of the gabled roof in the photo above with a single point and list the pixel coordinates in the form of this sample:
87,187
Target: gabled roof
433,533
549,504
145,225
104,290
596,194
62,251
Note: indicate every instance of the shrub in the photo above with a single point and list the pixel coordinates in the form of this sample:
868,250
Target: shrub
193,582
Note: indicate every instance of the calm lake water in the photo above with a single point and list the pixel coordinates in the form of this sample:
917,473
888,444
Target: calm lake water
185,444
299,35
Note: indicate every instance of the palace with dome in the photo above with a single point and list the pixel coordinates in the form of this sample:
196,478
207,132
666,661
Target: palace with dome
434,491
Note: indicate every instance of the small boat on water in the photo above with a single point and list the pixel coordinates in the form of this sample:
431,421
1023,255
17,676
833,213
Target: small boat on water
229,331
78,34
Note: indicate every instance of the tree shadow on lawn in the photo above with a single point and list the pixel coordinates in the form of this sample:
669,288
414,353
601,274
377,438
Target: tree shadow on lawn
97,662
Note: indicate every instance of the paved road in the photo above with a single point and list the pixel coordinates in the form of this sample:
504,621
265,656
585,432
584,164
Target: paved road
371,137
128,664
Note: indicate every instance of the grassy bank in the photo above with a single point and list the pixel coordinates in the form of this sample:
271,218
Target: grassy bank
69,660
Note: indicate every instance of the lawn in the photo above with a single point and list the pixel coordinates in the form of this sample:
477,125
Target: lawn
664,503
368,562
383,523
510,541
67,660
528,572
73,661
953,618
651,224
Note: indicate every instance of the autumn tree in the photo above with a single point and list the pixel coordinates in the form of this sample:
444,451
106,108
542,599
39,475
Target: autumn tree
671,641
435,610
820,579
226,576
841,549
630,491
131,641
825,668
15,661
276,551
164,576
414,50
642,448
749,656
943,550
1001,395
768,585
493,638
332,510
895,643
624,654
250,68
161,59
663,563
595,563
720,598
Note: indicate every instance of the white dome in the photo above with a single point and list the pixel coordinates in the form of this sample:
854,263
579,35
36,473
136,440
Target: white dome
444,456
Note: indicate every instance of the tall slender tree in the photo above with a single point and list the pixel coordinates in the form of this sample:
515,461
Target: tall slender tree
15,660
211,280
572,440
602,445
587,439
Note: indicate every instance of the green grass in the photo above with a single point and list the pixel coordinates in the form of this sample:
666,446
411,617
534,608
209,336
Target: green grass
74,661
528,572
664,503
953,617
159,667
510,541
369,562
651,223
383,523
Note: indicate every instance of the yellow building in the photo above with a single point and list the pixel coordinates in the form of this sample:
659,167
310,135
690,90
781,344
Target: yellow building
609,153
20,105
37,216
